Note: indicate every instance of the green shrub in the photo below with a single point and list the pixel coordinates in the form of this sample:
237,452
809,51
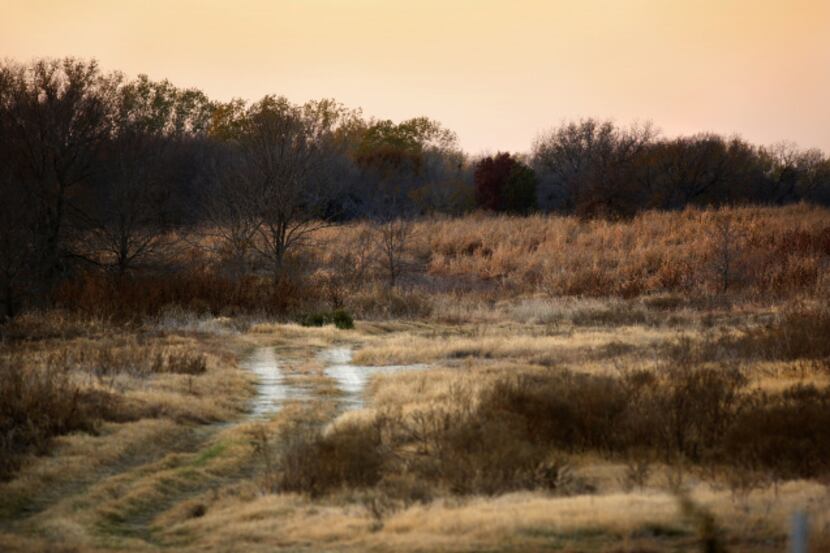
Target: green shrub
313,319
339,318
342,319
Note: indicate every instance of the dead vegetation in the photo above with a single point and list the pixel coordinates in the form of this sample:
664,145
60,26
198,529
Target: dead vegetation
63,374
404,268
799,332
520,431
37,404
541,418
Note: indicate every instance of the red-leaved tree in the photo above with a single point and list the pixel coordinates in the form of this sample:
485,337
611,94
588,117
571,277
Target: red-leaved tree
503,183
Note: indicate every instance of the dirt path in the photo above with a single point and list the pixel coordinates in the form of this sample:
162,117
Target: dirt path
352,379
124,504
276,388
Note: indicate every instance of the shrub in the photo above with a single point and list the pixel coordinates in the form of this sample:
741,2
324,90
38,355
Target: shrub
463,452
342,319
800,332
313,319
518,433
39,403
683,408
688,407
200,290
183,362
339,318
787,434
483,455
316,463
561,409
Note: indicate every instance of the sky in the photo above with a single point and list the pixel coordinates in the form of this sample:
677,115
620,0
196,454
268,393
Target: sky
498,73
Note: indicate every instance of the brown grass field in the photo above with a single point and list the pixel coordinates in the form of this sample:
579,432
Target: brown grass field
658,384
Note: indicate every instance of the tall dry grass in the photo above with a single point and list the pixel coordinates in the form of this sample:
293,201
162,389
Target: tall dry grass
753,252
769,250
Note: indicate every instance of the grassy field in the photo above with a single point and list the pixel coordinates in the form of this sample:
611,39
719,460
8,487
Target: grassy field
665,419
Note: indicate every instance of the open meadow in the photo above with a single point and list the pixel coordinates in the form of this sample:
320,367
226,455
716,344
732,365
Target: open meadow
523,383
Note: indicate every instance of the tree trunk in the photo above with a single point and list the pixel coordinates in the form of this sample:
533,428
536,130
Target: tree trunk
10,310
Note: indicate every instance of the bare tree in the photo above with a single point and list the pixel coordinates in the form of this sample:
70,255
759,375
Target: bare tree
124,224
347,268
287,161
17,227
585,166
232,211
55,119
792,173
725,251
124,227
392,238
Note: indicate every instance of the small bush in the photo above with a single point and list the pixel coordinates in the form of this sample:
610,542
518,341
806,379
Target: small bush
183,363
339,318
800,332
39,403
342,319
561,409
483,455
316,463
787,434
314,319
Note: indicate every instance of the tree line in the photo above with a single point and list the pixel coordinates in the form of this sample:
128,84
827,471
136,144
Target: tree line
101,172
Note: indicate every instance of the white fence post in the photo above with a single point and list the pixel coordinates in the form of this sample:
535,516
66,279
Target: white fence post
798,532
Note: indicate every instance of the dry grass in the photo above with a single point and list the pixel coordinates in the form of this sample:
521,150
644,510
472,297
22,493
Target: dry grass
154,478
503,343
777,251
469,359
479,259
37,404
520,522
521,321
88,393
520,429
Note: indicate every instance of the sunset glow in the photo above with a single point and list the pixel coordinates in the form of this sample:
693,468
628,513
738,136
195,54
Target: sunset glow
495,72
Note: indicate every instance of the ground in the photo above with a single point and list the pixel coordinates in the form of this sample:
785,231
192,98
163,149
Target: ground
191,470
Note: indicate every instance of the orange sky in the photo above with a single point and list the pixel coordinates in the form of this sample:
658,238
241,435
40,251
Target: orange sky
496,72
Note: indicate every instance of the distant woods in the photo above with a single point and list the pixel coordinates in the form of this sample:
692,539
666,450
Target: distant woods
594,168
108,175
102,173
